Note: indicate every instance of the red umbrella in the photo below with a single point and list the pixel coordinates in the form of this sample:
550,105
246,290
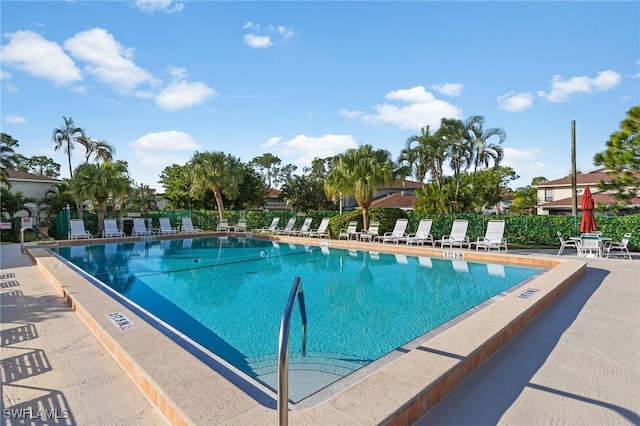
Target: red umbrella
588,223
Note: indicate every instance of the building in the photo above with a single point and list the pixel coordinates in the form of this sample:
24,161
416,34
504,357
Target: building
555,196
399,194
31,185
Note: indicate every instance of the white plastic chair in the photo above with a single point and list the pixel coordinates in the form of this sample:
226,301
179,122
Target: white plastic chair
111,229
620,247
590,244
423,233
352,229
187,226
166,228
566,243
322,230
493,237
77,231
398,233
458,235
140,228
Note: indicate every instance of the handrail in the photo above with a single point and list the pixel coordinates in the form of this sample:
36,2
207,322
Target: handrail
37,231
283,348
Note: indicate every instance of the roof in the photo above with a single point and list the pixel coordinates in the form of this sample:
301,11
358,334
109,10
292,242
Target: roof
597,198
590,178
273,193
398,200
401,184
20,175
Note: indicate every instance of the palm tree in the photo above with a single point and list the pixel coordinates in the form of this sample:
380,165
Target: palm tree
99,181
65,136
144,198
359,172
485,151
7,157
524,200
55,199
427,156
459,149
216,172
102,150
13,203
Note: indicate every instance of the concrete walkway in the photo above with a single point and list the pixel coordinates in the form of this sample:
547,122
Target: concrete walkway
54,370
577,363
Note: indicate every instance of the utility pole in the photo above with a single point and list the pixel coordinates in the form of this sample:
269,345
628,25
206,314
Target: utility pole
574,189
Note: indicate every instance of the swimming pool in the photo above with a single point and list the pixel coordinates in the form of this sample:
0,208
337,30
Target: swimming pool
228,295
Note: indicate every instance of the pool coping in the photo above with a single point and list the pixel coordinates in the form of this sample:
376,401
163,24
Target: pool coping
187,391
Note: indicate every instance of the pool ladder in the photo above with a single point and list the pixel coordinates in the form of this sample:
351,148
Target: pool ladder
283,348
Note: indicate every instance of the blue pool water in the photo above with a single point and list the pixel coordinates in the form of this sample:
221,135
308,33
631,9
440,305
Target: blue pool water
229,294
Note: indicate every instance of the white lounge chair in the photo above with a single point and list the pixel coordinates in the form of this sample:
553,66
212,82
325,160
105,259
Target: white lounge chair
351,230
223,225
458,235
187,226
288,228
566,243
77,231
423,233
241,226
619,246
140,228
371,233
111,229
166,228
493,237
398,234
306,226
268,229
322,231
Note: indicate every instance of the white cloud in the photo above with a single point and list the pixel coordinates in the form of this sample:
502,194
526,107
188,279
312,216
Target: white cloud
423,109
41,58
108,60
150,6
182,94
302,149
5,75
15,119
285,32
524,161
514,102
171,140
561,89
351,114
449,89
259,42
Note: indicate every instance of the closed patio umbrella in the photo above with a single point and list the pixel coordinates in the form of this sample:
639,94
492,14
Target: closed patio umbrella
588,223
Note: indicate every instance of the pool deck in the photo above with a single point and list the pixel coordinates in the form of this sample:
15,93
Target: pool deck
576,362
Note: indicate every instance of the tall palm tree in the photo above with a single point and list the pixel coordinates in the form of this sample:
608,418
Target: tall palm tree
99,181
486,151
216,172
359,172
65,137
459,147
425,153
102,150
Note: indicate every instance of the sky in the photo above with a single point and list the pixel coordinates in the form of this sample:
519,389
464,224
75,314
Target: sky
161,80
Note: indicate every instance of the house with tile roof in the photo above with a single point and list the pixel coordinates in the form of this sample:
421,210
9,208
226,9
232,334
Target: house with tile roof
555,196
399,194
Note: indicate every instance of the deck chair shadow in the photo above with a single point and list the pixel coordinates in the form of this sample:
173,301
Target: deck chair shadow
111,229
166,228
493,237
140,228
77,231
457,237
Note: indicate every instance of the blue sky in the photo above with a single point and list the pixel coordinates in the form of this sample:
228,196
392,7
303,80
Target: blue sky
162,79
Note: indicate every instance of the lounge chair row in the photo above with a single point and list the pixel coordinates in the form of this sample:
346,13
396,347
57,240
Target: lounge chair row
304,231
77,229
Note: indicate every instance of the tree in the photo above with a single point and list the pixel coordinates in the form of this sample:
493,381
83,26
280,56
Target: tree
622,158
101,150
176,186
484,150
525,200
459,148
38,165
143,198
359,172
97,182
267,167
305,193
250,191
423,154
216,172
7,157
56,199
13,203
65,137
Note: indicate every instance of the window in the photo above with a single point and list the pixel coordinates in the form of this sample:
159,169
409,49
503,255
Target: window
548,195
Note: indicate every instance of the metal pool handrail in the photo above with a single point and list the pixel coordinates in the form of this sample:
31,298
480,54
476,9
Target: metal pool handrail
283,348
55,244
